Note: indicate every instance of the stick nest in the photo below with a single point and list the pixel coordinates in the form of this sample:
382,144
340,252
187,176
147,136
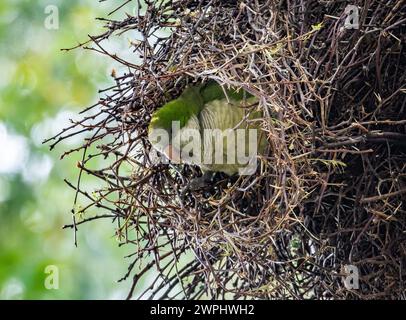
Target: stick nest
331,191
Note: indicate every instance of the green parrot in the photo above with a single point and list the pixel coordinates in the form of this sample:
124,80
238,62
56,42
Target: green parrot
210,127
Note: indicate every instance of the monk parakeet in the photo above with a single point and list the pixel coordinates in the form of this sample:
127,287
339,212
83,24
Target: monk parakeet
211,127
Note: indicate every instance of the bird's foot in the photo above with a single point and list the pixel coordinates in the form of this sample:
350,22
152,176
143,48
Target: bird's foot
198,183
201,182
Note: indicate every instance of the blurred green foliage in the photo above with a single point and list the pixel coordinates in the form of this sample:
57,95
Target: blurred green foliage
40,88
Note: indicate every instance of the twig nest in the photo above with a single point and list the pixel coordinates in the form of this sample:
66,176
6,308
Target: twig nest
328,194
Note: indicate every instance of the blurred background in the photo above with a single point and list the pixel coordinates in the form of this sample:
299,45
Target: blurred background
42,87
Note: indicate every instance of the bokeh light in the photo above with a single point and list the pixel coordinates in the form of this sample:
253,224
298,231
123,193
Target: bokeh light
41,88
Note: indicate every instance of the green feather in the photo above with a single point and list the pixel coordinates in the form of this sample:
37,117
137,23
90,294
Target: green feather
189,103
213,91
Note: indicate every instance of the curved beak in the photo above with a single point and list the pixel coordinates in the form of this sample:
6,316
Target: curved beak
172,153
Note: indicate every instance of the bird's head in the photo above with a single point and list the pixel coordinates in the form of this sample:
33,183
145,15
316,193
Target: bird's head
175,113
